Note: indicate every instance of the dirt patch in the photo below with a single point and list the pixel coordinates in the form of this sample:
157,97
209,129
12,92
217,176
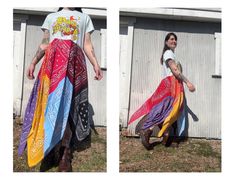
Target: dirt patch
87,159
192,155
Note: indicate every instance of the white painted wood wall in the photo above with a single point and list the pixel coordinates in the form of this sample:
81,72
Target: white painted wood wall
19,35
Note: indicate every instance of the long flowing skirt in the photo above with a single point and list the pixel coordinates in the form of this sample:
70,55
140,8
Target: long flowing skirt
60,93
163,107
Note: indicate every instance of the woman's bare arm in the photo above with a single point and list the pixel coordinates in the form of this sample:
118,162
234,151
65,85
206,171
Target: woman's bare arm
39,55
42,47
177,73
89,51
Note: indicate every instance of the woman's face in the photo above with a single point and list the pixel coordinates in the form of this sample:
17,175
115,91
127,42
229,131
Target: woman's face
171,43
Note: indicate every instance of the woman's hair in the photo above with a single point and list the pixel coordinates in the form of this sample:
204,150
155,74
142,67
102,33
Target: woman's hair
76,8
165,46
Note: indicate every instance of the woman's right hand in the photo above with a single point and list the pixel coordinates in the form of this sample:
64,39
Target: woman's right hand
30,71
98,72
190,87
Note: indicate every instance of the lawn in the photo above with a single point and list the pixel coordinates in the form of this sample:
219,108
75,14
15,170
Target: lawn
192,155
90,158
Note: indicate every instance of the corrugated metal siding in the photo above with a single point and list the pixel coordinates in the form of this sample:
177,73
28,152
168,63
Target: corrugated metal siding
97,90
196,52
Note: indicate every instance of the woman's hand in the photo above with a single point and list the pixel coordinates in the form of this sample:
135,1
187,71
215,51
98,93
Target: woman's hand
190,87
89,51
30,71
98,72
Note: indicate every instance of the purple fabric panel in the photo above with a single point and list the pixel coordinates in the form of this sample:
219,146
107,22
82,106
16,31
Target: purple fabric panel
159,112
29,114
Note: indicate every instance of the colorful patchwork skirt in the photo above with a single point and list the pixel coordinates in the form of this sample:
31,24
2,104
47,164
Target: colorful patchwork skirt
60,93
164,107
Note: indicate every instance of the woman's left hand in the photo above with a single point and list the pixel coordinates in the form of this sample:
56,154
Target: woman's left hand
98,72
190,87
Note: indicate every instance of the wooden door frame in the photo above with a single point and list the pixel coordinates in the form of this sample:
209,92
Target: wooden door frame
126,67
22,19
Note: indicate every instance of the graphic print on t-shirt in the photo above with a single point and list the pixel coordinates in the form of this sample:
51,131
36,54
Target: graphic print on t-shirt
67,27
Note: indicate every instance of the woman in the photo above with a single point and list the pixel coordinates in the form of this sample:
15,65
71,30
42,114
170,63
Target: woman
57,110
166,104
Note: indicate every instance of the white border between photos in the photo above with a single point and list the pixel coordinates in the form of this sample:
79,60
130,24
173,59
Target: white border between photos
228,86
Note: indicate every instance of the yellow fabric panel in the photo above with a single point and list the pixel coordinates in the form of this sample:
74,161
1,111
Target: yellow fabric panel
35,141
174,114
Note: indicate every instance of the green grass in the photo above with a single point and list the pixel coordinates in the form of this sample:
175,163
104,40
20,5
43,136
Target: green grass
94,163
193,155
90,159
205,150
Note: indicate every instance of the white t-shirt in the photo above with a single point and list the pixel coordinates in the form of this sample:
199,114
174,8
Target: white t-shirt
169,54
67,24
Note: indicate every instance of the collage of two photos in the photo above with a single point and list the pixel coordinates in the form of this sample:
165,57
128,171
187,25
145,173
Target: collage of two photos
170,89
